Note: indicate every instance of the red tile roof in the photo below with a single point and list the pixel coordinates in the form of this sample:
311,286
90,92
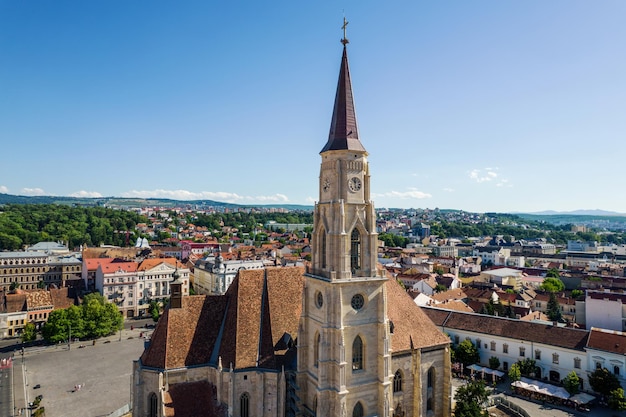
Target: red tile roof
412,328
247,326
515,329
607,340
154,262
116,266
93,264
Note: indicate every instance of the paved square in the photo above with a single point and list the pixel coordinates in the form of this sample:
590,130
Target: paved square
104,370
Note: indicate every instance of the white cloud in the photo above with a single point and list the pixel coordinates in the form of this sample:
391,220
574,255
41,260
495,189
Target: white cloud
504,183
86,194
310,200
489,175
32,191
483,175
207,195
411,193
3,189
448,190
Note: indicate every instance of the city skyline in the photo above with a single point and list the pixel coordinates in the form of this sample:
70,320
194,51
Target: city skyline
489,106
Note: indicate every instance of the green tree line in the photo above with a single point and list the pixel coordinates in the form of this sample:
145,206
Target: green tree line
27,224
94,318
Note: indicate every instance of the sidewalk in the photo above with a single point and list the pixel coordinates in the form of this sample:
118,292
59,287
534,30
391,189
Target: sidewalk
20,389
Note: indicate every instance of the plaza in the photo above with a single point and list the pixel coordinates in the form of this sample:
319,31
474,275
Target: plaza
103,371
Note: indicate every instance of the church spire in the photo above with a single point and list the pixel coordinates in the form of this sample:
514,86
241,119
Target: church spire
344,134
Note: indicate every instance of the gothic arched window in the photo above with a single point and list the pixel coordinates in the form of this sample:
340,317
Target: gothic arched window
316,350
397,381
431,378
323,246
153,404
355,250
244,404
357,354
358,410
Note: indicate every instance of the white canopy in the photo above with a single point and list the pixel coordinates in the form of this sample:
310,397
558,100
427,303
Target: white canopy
582,398
542,388
478,368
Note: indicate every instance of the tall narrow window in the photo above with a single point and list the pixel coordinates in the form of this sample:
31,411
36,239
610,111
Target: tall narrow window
316,350
358,410
323,246
244,404
357,354
431,378
355,250
397,381
153,404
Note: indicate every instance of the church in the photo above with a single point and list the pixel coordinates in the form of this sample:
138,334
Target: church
336,338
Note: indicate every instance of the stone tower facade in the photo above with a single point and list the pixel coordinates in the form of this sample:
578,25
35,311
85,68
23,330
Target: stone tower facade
344,352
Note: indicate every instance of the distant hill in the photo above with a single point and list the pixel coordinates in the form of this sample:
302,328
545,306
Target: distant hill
134,202
594,212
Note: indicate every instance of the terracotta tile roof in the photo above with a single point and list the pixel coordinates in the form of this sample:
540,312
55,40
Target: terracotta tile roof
456,294
15,303
154,262
412,328
116,266
607,340
514,329
535,315
62,298
242,327
455,305
248,326
37,298
93,264
184,336
193,399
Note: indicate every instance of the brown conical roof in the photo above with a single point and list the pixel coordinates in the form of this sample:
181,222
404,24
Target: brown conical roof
344,134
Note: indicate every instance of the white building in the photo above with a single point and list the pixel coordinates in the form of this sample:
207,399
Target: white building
213,275
607,349
556,350
605,310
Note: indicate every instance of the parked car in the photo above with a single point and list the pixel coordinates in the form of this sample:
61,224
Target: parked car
37,386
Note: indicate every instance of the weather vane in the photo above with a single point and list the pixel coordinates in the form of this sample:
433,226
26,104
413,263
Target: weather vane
345,38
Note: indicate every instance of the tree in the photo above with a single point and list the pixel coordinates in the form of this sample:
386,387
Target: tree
572,383
471,399
577,293
440,288
29,333
94,318
514,372
554,309
153,310
494,362
466,353
553,273
527,366
14,286
617,401
552,285
603,382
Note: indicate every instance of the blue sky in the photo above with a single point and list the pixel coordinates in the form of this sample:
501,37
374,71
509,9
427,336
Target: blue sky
483,105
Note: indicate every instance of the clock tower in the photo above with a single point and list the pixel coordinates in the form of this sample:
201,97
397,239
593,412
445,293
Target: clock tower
344,350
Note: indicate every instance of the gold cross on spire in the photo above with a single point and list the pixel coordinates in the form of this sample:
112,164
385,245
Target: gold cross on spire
345,24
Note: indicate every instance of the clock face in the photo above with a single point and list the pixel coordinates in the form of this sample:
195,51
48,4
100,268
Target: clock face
354,184
326,184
